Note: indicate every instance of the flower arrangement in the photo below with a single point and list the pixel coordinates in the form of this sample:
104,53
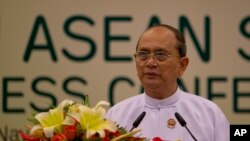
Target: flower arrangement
71,121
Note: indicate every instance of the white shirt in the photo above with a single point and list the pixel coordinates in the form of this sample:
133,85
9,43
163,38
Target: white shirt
203,117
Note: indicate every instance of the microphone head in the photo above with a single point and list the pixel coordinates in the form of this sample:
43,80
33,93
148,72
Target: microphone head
180,119
139,119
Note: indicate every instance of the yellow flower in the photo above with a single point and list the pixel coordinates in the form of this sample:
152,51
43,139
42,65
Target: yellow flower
92,119
51,120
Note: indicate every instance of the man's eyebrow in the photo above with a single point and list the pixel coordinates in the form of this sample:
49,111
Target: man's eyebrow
154,50
160,49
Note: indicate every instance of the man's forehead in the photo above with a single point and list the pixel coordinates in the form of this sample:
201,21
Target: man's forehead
158,32
158,37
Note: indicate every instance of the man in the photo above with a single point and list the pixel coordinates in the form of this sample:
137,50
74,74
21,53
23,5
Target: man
161,59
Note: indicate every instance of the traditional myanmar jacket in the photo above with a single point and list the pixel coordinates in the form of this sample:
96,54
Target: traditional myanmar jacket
204,118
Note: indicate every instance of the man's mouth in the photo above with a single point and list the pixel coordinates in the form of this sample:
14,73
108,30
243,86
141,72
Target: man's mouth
151,74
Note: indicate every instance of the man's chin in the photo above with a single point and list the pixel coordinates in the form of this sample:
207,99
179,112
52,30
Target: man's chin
151,84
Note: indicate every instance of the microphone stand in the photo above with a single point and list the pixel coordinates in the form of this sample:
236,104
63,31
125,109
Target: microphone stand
184,124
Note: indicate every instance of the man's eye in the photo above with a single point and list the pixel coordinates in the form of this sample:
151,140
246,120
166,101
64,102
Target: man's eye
143,53
160,53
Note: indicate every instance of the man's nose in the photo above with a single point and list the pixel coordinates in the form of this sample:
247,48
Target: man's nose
151,61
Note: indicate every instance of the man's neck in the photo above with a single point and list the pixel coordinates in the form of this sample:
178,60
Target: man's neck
160,93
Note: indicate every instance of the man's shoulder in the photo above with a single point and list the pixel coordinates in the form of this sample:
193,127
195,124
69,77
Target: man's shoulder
201,108
198,100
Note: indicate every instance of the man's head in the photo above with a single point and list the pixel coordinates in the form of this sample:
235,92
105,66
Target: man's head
181,44
161,59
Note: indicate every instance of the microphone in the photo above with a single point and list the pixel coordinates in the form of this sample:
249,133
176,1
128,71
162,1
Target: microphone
138,120
183,124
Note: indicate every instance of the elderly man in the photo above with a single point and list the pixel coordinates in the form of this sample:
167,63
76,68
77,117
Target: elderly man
160,60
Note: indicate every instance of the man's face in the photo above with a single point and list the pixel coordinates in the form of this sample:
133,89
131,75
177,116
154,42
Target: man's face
154,73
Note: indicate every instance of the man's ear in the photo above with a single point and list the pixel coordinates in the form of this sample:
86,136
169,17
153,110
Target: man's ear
183,65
